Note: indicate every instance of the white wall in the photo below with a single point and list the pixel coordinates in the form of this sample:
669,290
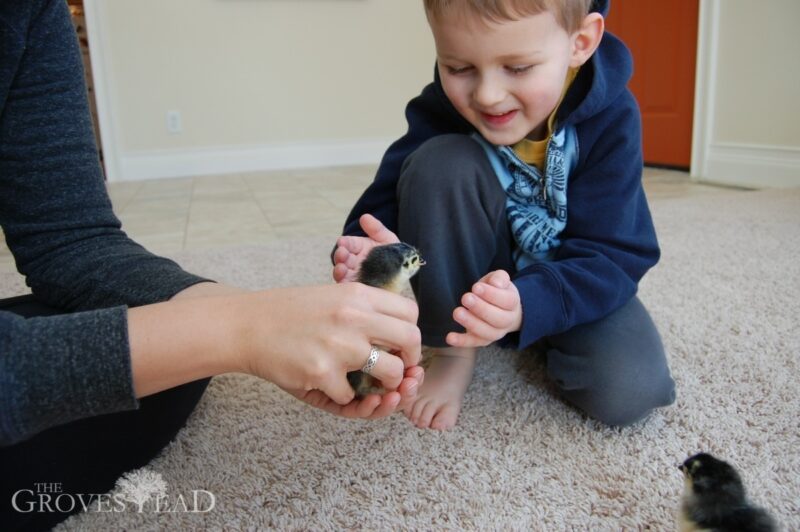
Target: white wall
259,84
747,110
264,84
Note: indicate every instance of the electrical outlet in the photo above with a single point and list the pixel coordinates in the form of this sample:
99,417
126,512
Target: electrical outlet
174,122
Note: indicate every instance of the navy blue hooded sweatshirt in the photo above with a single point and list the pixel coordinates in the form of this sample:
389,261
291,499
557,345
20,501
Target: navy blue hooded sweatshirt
609,241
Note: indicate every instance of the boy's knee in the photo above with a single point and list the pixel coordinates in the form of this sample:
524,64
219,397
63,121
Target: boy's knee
616,392
446,161
623,401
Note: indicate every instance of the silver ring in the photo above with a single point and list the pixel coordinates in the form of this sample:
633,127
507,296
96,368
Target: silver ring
372,360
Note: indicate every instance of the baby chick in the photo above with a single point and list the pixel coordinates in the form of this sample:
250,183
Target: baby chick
389,267
714,499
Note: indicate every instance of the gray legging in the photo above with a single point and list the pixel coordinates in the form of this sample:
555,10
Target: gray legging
452,208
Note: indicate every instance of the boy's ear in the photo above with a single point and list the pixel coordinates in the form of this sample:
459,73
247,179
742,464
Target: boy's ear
587,39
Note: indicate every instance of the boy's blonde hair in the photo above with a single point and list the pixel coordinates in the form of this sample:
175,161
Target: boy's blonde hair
568,13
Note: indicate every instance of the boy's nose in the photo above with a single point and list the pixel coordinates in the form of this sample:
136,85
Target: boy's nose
488,92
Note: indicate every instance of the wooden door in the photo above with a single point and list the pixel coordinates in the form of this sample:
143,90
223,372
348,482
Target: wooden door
662,37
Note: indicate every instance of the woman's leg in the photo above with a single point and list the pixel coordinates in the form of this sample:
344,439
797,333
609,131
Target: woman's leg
87,456
614,369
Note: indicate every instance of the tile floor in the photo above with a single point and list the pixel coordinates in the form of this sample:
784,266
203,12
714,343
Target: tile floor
206,212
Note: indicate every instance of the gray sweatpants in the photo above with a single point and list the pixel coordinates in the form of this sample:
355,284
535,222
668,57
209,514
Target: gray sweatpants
452,208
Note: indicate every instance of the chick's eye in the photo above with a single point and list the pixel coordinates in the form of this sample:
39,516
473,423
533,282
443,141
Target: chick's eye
405,264
414,260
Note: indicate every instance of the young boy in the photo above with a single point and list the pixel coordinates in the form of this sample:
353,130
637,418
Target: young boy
519,181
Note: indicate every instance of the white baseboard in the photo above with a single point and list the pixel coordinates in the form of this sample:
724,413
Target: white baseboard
754,166
225,160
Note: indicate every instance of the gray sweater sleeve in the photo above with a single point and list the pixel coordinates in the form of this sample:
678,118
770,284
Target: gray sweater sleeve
64,236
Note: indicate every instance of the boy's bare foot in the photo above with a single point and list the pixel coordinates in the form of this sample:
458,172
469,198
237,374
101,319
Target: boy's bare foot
438,401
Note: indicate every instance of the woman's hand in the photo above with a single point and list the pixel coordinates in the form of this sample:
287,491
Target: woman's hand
372,406
352,250
308,338
303,339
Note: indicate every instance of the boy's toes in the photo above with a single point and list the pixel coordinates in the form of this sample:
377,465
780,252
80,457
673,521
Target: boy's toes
427,415
446,418
414,411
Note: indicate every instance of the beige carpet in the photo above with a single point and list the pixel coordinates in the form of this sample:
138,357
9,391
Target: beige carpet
726,297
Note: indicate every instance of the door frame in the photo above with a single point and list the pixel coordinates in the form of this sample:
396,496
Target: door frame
704,86
109,135
740,164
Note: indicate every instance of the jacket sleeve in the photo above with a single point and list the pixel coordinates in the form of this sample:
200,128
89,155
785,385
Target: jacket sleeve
66,240
428,115
609,241
54,208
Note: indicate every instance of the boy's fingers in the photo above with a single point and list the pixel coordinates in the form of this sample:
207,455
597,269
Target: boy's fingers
464,340
344,264
350,243
339,273
504,298
473,325
376,230
491,314
499,278
341,254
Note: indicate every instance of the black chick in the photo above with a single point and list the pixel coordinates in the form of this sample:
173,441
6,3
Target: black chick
714,499
389,267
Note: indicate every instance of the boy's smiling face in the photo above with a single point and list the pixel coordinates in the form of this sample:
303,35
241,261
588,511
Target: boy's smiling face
506,77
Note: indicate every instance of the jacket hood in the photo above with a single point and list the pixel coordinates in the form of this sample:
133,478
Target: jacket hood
600,6
603,78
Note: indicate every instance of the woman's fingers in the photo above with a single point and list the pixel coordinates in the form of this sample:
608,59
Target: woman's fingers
386,406
372,406
338,389
308,338
387,368
393,324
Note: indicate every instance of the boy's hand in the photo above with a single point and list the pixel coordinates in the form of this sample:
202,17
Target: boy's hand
490,311
351,250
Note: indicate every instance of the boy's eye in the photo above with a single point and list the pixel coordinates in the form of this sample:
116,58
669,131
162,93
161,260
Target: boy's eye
519,69
458,70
